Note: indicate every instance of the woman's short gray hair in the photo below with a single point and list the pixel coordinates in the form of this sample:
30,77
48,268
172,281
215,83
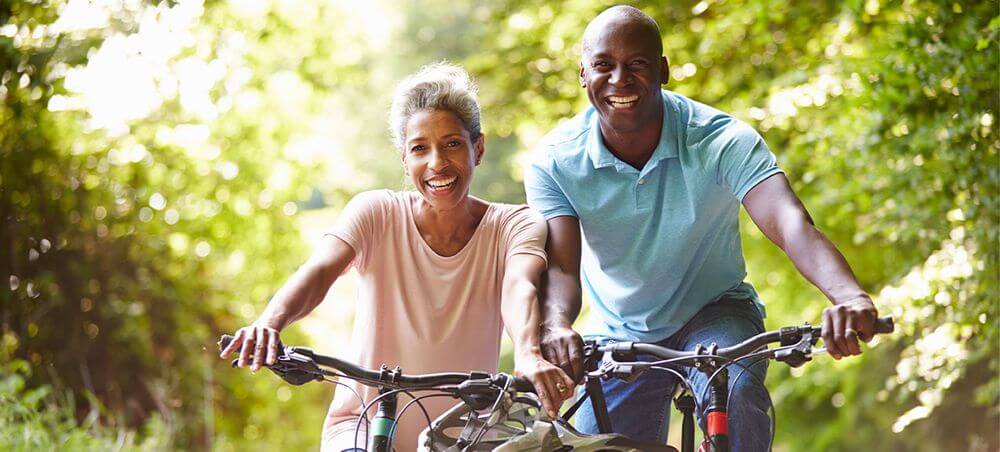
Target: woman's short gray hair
438,86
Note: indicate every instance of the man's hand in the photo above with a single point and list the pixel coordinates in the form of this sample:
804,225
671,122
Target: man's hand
845,323
551,383
258,346
563,346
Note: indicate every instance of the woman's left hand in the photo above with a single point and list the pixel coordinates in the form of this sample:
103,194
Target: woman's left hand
551,383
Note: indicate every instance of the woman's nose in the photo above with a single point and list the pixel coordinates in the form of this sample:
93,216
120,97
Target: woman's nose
437,160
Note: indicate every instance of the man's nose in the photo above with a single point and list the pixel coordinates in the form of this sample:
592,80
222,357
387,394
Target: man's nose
619,75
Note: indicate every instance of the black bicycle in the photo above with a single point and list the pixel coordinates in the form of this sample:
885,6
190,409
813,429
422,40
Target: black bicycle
500,412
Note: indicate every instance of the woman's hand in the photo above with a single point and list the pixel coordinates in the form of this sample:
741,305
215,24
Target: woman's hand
551,383
258,345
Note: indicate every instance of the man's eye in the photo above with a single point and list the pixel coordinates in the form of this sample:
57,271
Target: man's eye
454,143
638,63
417,148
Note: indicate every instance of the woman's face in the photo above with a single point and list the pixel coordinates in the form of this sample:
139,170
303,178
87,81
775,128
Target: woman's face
439,157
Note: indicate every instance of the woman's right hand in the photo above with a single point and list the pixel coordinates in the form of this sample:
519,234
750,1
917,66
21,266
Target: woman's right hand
258,346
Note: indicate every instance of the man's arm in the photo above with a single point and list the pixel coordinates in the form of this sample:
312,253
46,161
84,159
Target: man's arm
780,215
521,317
561,297
296,298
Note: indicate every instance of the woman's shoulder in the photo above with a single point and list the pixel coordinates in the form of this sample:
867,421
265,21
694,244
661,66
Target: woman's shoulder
380,198
505,215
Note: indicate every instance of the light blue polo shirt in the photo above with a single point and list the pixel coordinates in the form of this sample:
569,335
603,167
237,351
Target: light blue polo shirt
661,243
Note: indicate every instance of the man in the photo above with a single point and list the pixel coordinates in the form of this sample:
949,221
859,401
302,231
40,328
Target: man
641,193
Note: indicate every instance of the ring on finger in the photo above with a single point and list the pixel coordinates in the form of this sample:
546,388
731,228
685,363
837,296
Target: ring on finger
561,387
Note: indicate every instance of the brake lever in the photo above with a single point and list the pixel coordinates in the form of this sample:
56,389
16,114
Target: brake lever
294,368
799,354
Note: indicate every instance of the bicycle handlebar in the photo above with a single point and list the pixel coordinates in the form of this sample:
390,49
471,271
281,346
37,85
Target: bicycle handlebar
786,336
290,360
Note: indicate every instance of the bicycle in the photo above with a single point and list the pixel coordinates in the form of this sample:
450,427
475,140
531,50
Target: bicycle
500,412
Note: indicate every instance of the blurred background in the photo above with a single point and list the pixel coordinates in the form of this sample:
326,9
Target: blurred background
165,166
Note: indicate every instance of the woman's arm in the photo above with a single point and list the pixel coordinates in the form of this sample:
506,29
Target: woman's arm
297,297
521,317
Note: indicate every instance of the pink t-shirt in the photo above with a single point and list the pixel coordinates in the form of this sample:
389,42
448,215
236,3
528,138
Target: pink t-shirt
422,311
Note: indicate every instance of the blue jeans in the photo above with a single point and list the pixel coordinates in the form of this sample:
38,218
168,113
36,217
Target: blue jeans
641,409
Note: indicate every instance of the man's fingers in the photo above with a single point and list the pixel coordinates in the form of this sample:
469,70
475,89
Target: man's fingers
851,334
837,325
827,330
575,350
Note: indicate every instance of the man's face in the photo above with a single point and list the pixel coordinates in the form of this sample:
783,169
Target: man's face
622,71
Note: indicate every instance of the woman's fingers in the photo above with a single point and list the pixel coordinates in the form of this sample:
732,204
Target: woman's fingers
553,387
259,348
272,346
233,344
246,350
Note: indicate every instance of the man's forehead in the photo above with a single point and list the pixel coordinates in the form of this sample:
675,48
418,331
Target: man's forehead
616,37
620,30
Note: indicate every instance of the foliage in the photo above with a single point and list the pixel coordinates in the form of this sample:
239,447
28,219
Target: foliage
138,226
32,418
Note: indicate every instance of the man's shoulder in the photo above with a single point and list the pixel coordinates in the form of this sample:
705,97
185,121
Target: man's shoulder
704,125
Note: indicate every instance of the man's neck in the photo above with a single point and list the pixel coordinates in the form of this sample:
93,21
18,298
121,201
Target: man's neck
634,147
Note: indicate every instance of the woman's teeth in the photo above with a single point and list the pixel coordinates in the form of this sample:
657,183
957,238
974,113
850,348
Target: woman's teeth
441,184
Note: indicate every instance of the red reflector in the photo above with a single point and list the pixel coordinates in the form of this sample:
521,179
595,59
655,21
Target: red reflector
717,423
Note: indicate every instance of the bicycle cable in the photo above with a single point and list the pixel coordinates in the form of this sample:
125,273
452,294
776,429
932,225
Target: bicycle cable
364,412
395,423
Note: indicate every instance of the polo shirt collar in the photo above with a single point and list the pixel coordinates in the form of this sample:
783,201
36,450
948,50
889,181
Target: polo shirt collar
601,156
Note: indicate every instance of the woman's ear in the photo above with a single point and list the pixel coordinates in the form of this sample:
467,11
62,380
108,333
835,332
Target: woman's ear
480,148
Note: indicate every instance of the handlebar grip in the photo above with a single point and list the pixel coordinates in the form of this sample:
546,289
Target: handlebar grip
884,325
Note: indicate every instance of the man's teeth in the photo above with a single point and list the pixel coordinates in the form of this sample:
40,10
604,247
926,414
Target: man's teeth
441,183
622,101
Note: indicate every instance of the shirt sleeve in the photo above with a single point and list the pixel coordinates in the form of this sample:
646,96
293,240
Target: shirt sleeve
360,223
741,158
544,194
525,232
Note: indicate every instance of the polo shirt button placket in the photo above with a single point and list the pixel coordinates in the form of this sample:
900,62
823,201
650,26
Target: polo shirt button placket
641,201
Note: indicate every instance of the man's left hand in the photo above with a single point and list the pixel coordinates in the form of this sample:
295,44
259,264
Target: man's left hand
845,323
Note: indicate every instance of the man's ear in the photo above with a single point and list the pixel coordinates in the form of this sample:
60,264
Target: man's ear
583,83
665,70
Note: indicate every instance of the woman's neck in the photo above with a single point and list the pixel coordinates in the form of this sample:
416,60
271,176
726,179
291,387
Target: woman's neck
447,231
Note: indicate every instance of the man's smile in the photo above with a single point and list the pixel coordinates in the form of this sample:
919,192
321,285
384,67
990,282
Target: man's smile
622,102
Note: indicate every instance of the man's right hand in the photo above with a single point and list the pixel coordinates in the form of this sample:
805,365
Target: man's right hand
563,346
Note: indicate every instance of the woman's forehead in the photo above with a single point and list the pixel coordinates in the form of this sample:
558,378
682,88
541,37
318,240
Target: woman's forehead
426,124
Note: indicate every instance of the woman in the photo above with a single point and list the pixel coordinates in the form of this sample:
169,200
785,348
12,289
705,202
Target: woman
440,271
